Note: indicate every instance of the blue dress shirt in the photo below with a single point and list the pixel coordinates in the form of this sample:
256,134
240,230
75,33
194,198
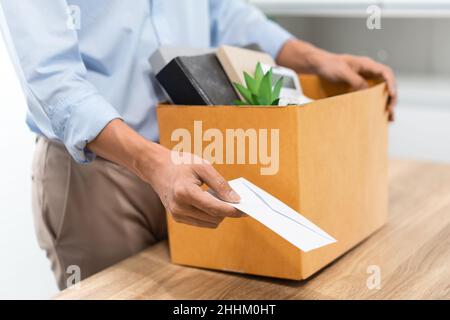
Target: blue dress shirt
83,63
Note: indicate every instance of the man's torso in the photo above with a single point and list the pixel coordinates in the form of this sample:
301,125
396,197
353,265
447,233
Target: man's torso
116,38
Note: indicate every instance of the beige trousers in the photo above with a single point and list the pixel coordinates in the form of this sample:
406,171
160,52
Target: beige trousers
90,216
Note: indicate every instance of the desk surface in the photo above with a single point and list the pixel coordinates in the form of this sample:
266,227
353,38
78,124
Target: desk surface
412,252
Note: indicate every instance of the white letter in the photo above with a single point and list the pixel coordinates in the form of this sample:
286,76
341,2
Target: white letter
198,139
73,281
274,159
74,17
374,280
374,19
183,136
216,146
241,145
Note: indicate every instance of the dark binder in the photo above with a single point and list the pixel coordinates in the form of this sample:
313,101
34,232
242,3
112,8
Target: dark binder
197,80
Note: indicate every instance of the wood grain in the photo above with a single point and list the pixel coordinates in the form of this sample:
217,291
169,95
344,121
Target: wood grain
412,251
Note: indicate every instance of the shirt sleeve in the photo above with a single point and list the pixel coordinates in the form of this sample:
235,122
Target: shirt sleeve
239,23
43,45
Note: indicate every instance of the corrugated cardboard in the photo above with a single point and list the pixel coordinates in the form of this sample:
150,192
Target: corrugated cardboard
332,169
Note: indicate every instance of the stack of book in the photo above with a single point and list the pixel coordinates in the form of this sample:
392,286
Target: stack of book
212,77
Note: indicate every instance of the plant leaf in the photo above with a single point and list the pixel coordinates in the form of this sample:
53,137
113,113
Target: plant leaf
244,92
251,83
259,74
277,89
259,89
256,100
240,103
265,89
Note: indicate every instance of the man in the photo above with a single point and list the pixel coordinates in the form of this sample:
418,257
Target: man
91,91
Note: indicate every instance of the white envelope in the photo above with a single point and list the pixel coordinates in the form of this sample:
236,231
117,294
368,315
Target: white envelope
279,217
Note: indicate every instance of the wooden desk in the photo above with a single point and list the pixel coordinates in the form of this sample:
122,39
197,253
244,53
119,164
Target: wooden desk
412,251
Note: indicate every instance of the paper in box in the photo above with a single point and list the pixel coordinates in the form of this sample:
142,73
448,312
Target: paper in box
332,168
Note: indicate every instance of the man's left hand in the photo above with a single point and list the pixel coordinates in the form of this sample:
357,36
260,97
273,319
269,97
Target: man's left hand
305,58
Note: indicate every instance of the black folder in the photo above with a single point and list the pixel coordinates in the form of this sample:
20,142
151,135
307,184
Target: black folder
197,80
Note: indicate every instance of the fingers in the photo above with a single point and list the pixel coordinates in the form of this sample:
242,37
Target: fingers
203,210
190,194
370,68
388,75
217,183
390,110
194,222
189,203
356,81
195,217
206,202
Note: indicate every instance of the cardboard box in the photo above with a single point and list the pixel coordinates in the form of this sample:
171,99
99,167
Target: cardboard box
332,168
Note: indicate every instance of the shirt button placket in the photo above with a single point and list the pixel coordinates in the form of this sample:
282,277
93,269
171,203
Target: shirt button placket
160,22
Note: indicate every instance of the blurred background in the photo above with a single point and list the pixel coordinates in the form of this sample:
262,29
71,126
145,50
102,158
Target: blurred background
413,38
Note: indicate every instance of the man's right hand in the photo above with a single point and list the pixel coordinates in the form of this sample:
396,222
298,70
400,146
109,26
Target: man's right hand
177,180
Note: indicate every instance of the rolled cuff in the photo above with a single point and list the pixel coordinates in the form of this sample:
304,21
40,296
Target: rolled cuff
79,123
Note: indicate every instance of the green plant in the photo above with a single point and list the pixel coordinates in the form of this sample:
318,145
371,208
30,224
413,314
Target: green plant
259,90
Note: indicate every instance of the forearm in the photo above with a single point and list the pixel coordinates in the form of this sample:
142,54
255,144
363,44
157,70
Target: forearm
119,143
178,185
300,56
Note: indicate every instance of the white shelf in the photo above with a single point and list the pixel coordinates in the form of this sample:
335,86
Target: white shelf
355,8
421,129
423,90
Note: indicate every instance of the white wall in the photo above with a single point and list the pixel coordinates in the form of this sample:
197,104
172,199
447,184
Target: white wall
418,45
418,50
24,269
